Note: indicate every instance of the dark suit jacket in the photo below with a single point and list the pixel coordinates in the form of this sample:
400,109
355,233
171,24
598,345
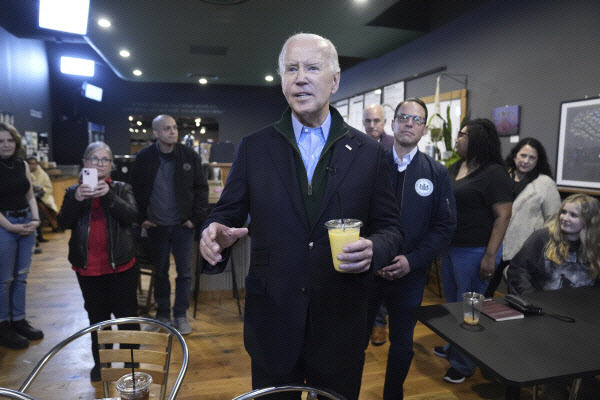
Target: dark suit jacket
387,141
295,300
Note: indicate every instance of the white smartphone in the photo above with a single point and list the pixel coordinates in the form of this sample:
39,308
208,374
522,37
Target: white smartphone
90,177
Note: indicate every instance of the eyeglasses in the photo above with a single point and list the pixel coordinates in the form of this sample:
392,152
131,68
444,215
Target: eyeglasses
417,120
96,161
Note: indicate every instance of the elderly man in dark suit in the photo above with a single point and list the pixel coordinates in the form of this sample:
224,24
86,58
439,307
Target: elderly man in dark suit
292,177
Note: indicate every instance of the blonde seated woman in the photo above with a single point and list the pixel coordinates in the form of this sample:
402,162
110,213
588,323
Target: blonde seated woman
566,253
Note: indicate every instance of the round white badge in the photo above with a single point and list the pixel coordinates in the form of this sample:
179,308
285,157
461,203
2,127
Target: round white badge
424,187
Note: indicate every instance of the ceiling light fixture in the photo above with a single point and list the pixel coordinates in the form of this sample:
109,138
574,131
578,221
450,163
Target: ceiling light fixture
131,118
203,81
124,53
137,72
269,78
64,15
139,123
104,23
76,66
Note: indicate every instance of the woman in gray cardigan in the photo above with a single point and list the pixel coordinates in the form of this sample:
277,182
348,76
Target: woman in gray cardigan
535,200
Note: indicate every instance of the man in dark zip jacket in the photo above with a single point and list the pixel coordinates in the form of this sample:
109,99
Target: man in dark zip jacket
304,321
428,214
172,194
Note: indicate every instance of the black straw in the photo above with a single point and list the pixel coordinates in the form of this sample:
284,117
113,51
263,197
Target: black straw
132,370
341,210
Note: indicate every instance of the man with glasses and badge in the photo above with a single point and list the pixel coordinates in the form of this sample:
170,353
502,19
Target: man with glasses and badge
172,195
428,213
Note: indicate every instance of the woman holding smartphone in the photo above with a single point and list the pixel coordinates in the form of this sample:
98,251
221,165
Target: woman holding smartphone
102,248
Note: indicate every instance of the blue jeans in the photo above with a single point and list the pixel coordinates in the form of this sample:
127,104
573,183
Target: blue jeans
15,260
460,274
179,240
380,318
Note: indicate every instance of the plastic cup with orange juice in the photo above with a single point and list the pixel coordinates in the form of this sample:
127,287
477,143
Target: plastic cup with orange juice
341,233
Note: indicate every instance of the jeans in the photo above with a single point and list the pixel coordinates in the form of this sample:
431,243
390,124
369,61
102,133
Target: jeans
380,318
15,260
178,240
460,274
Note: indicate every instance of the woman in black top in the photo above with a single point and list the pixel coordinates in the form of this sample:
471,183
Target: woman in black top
19,219
483,193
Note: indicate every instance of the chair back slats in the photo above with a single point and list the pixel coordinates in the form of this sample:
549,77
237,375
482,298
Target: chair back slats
145,356
137,337
113,374
140,356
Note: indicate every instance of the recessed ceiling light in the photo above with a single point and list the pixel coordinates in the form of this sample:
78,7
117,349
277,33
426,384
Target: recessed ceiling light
137,72
131,118
124,53
203,130
203,81
139,123
269,78
103,22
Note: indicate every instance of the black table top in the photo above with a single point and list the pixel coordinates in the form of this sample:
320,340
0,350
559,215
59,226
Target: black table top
532,350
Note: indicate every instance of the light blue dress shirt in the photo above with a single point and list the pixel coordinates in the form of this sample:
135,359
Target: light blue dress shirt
404,161
311,142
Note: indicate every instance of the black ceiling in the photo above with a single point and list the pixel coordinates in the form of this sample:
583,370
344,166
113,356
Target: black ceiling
232,41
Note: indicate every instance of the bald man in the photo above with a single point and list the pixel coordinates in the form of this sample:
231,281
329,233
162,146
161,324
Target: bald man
172,196
374,123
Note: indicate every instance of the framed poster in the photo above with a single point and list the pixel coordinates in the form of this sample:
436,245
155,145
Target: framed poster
578,159
506,120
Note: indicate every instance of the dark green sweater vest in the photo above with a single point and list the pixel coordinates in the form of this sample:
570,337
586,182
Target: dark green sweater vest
313,193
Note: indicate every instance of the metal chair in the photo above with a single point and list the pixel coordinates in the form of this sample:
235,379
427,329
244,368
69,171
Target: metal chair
312,392
157,357
13,394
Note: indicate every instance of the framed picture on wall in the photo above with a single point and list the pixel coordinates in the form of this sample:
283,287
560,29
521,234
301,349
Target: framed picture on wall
578,159
506,120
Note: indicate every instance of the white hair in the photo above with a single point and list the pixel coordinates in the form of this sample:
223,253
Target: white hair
326,45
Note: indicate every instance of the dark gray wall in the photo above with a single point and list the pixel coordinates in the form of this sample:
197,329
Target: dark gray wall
531,53
24,82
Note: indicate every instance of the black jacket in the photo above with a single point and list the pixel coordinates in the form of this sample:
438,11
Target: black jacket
120,211
191,189
427,209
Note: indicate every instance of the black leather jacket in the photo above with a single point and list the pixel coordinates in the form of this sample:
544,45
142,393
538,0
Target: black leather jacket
120,210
